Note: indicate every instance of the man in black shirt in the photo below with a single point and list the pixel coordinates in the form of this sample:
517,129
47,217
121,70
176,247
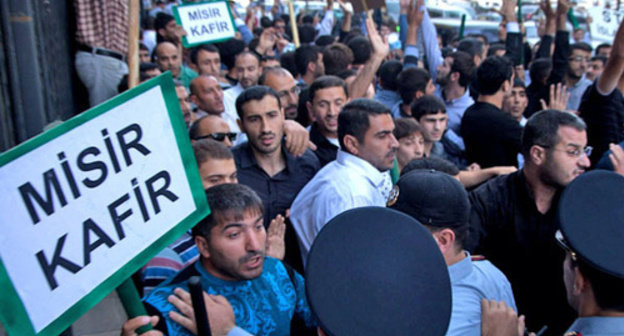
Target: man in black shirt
327,96
264,164
513,220
491,136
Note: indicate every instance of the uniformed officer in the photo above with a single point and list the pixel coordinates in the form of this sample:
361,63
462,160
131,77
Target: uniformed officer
375,271
591,212
440,203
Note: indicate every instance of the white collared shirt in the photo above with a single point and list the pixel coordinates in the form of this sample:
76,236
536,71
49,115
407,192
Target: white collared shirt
346,183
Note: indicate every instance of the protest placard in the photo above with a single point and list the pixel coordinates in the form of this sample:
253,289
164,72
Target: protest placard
206,22
86,204
604,23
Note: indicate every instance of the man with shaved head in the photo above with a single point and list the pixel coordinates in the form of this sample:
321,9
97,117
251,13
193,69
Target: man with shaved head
280,80
207,94
168,58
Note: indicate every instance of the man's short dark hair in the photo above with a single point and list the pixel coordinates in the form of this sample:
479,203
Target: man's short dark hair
602,46
256,92
142,46
581,46
346,74
336,58
494,48
287,61
430,163
427,105
492,73
227,201
542,127
161,20
518,83
228,49
481,37
388,73
354,119
246,52
324,40
361,48
325,82
307,33
601,58
304,55
472,46
209,149
404,127
464,65
540,70
205,47
147,66
410,81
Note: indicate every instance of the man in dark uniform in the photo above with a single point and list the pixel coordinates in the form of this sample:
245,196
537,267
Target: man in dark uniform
591,213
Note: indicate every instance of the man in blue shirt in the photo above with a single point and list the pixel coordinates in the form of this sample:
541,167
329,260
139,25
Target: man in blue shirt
263,292
440,202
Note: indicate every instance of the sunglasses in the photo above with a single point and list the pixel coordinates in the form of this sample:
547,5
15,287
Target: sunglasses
561,241
218,136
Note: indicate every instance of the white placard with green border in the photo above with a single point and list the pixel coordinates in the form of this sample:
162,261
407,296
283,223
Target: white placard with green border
206,22
86,204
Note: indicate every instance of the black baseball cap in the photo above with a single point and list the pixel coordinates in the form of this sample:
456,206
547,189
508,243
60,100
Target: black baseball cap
433,198
375,271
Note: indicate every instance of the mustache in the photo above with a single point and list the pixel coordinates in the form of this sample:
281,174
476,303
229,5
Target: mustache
250,255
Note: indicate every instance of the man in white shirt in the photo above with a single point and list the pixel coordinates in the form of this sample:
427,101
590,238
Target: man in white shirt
359,175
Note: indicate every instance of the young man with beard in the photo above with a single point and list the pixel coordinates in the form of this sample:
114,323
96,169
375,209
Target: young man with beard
327,96
264,164
514,220
232,243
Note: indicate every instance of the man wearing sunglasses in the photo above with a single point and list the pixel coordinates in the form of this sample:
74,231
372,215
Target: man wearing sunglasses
212,127
513,218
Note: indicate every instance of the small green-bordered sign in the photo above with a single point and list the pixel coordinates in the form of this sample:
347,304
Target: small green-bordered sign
205,22
86,204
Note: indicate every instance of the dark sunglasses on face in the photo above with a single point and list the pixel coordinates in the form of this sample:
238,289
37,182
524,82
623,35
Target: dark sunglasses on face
218,136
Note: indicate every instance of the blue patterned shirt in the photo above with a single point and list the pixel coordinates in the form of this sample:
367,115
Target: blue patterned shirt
262,306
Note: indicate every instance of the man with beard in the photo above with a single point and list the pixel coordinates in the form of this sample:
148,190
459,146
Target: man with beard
453,78
327,96
232,241
359,175
513,220
309,62
280,80
264,164
574,78
247,67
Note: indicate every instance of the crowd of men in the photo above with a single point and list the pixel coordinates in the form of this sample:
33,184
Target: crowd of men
485,136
